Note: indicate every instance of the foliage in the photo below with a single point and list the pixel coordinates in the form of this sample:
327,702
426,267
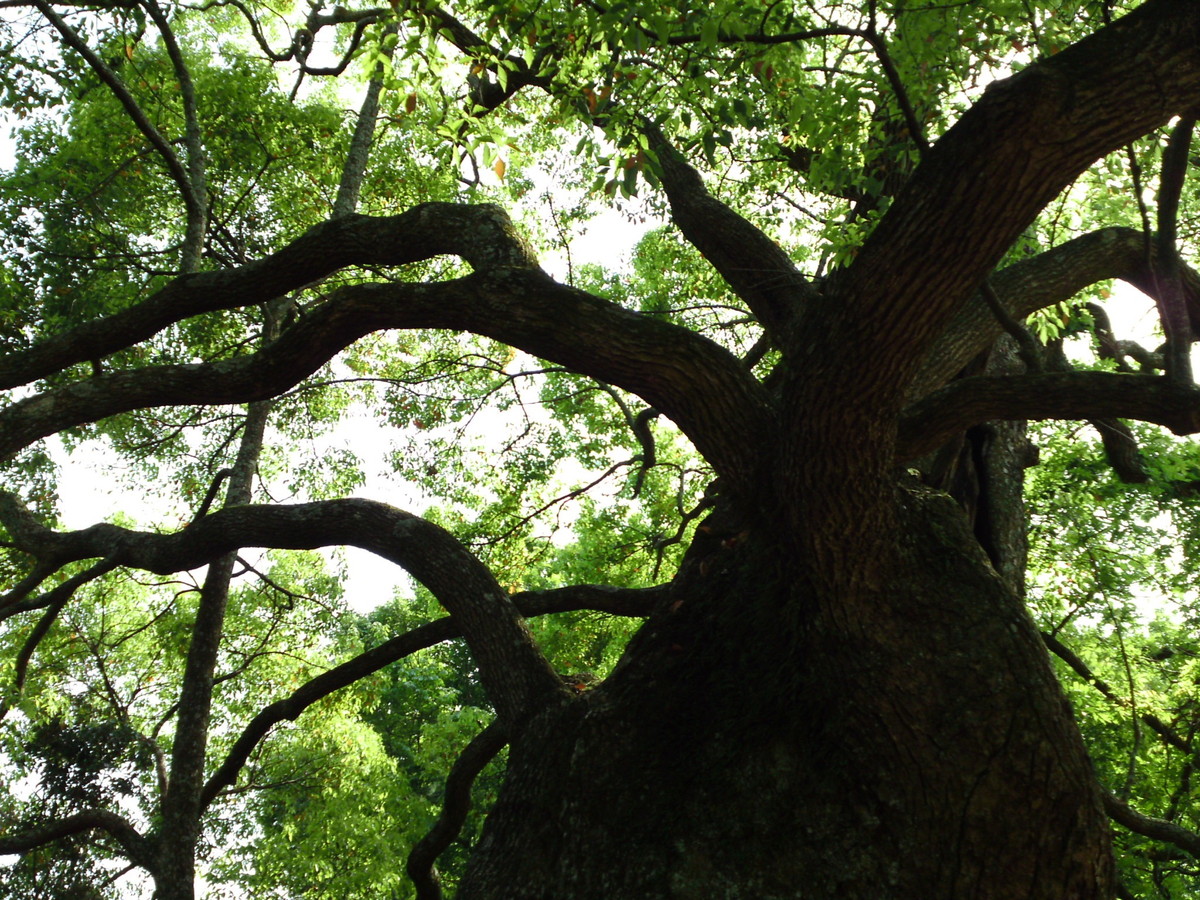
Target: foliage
808,118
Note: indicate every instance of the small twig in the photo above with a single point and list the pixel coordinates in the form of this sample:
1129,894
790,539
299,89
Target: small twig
211,496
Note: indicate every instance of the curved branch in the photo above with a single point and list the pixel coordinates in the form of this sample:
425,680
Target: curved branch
699,385
512,668
987,178
614,601
53,601
59,594
1024,287
482,235
928,424
1148,826
478,753
137,847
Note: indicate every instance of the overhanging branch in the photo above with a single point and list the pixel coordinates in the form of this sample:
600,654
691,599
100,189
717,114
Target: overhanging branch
702,387
134,844
929,423
512,668
1148,826
482,236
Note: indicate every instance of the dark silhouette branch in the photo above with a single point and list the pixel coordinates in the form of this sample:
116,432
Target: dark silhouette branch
1148,826
986,179
60,593
512,668
137,848
700,386
1172,301
457,803
1080,668
53,602
929,423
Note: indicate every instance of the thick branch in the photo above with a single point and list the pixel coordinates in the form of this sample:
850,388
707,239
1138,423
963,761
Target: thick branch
1148,826
1171,296
483,236
753,265
512,668
690,379
121,830
983,183
928,424
1024,287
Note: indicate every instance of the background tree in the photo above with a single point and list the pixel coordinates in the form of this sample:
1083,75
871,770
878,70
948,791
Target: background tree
790,437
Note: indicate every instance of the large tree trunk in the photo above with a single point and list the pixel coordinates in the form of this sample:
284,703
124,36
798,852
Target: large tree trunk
760,741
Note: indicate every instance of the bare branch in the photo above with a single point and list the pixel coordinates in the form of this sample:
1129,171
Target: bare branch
513,670
134,844
928,424
1148,826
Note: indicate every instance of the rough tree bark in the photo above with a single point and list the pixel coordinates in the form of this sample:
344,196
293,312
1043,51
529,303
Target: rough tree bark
837,696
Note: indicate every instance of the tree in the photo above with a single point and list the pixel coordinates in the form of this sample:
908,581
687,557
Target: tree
838,689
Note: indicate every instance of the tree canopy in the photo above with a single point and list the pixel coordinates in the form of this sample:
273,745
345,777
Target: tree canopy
833,541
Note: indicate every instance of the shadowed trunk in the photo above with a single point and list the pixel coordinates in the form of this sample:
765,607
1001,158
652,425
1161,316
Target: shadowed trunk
915,745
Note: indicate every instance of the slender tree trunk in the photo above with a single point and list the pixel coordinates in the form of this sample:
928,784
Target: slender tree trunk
355,168
181,806
764,739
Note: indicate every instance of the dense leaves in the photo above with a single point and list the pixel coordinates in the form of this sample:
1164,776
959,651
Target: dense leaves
264,257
